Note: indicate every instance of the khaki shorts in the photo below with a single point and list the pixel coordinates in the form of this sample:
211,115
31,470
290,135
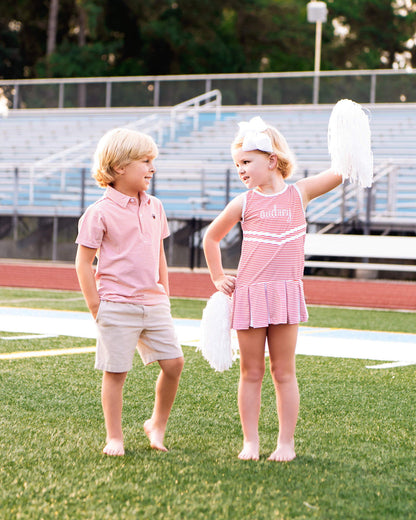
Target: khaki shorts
123,327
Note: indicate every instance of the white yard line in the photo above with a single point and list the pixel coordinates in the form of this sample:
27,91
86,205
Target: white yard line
395,349
28,336
46,353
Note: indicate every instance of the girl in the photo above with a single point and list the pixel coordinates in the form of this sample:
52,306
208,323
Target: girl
268,299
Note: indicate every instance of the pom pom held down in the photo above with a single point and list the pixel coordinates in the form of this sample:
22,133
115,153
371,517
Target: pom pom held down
349,143
216,332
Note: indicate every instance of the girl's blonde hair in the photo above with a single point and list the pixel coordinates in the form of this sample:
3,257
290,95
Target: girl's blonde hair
286,163
116,149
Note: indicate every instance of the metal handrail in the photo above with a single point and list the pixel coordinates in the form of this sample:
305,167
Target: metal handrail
151,124
338,197
192,107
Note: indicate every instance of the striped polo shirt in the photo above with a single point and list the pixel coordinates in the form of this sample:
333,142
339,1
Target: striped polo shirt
127,236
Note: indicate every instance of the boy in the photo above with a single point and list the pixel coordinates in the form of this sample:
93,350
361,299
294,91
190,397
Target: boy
128,296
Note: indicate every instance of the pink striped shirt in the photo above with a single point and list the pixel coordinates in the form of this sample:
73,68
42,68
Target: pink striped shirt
269,288
128,237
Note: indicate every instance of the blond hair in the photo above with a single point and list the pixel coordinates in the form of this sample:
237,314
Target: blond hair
118,148
286,163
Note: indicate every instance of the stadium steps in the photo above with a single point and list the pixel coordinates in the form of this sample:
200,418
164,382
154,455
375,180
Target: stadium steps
192,170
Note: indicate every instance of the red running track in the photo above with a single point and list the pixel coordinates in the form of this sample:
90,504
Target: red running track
375,294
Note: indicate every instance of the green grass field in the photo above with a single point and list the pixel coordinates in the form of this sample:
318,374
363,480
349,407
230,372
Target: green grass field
355,435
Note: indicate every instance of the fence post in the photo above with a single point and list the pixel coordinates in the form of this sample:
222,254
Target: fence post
259,91
227,185
343,208
61,95
192,244
315,94
373,88
15,204
82,208
198,251
16,96
156,93
367,223
108,86
55,238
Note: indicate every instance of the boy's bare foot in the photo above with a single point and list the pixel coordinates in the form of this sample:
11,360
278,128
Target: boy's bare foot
283,453
250,451
114,447
155,436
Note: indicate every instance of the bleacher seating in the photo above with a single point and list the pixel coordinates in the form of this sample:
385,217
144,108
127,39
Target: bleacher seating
32,135
51,149
393,129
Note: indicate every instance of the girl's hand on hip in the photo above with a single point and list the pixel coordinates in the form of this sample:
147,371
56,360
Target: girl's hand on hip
225,284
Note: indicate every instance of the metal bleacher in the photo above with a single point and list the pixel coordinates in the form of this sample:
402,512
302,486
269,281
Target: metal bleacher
389,205
43,152
46,155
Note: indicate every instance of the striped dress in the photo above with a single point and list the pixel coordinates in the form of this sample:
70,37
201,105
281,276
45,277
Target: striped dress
269,288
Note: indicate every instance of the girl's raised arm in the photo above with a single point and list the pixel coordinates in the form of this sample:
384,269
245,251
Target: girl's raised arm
316,185
216,231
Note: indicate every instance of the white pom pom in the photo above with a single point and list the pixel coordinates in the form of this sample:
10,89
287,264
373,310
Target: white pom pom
349,142
216,332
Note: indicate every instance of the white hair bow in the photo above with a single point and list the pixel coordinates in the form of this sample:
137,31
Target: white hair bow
253,136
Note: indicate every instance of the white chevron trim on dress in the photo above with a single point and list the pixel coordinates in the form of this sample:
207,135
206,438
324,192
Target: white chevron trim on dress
266,241
275,235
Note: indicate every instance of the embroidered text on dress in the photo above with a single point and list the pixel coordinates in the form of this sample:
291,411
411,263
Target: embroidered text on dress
277,213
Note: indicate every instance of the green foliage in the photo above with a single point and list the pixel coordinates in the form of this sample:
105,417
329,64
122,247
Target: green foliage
378,32
10,57
133,37
362,319
42,299
94,59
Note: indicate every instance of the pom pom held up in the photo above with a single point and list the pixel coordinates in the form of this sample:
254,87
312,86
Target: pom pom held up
216,332
349,143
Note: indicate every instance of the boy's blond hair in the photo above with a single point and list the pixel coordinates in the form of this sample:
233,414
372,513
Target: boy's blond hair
285,159
116,149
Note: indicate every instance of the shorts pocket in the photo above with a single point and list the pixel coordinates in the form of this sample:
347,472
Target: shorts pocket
99,311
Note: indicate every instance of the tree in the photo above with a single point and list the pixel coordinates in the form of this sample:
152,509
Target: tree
132,37
375,34
85,47
11,63
23,28
52,26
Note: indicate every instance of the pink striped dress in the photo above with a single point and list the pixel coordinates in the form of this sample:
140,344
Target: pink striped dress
269,288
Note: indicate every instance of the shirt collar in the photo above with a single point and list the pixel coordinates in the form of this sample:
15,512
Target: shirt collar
121,199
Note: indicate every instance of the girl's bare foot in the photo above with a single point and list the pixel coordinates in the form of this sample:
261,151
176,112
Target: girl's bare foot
283,453
155,436
114,447
250,451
